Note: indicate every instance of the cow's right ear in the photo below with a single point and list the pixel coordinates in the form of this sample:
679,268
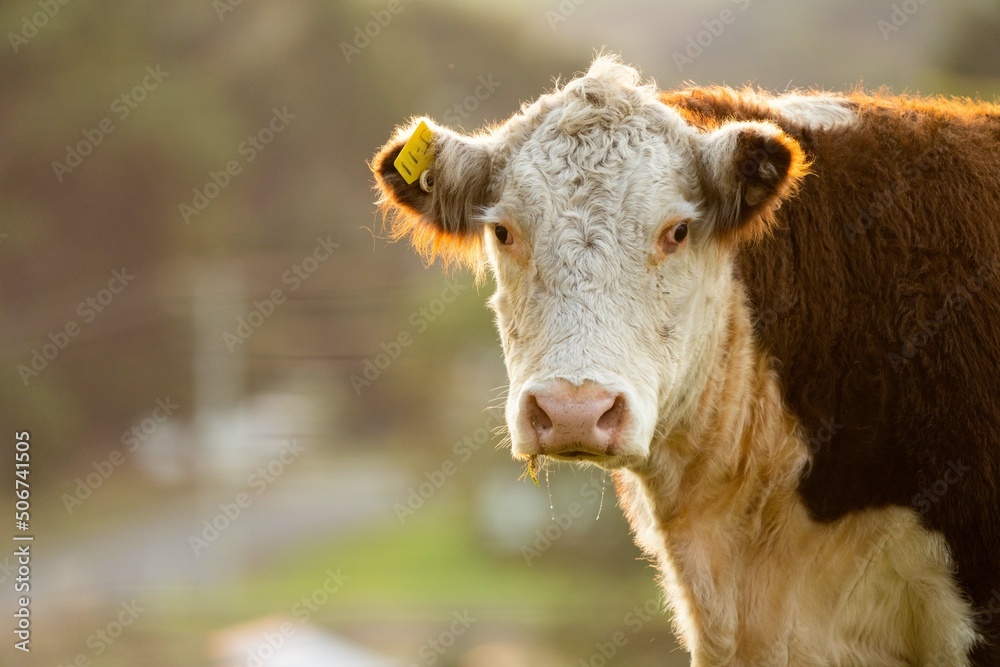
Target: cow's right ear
435,208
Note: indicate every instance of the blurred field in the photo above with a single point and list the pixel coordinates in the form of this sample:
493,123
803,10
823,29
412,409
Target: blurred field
216,152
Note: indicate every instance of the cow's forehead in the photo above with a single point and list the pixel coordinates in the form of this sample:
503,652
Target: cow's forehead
603,149
596,168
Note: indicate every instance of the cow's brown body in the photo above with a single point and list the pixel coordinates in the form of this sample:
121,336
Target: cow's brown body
878,296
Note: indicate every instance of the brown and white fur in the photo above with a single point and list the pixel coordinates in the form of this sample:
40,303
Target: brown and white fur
752,579
646,248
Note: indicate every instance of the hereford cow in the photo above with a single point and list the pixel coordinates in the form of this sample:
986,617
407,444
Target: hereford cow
775,318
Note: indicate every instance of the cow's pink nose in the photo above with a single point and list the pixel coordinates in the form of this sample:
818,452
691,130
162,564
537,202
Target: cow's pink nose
575,420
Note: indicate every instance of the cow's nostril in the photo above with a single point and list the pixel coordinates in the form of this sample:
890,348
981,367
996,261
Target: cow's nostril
540,420
610,420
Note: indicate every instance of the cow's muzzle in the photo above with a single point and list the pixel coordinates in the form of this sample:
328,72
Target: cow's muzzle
575,422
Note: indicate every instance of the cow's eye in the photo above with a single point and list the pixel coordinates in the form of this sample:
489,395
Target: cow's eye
679,232
673,237
503,235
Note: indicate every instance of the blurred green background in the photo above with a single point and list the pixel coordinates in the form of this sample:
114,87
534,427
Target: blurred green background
261,434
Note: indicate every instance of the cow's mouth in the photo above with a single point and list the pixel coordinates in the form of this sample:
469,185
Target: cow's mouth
577,454
606,460
533,462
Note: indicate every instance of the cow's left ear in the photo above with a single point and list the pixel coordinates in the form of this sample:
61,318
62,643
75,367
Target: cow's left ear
748,169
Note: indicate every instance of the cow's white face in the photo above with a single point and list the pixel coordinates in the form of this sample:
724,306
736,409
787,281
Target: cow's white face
608,222
604,276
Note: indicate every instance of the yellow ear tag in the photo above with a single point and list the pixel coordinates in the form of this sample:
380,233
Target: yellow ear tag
415,158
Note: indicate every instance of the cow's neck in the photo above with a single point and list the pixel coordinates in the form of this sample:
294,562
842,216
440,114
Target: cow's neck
718,493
